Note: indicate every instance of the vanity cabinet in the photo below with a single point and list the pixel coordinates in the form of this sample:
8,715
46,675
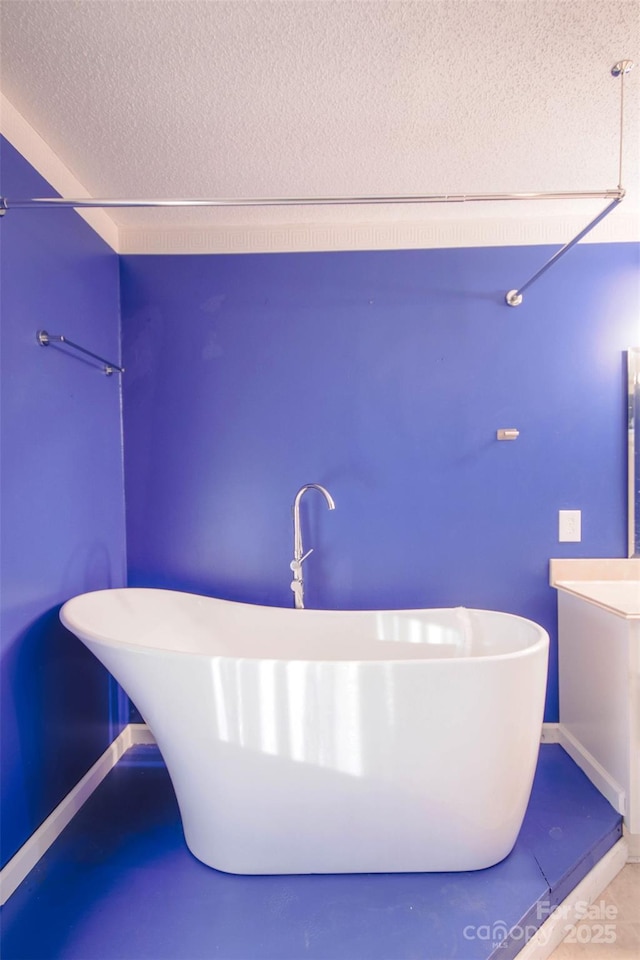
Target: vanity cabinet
599,677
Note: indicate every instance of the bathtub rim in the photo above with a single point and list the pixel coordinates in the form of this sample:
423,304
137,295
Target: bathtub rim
541,643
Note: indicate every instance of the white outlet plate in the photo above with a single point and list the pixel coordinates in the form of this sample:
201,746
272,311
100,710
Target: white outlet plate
569,526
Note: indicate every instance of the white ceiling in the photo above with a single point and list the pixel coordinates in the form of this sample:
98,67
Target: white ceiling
208,98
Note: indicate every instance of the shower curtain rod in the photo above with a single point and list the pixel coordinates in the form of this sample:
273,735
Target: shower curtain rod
90,202
513,297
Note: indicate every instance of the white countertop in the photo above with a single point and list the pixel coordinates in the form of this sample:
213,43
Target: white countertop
619,596
613,584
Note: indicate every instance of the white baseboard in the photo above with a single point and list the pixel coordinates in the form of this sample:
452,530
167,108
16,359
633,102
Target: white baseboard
140,733
568,913
16,870
550,733
633,842
600,778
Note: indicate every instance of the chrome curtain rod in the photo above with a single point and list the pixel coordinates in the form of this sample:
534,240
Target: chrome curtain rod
513,297
91,202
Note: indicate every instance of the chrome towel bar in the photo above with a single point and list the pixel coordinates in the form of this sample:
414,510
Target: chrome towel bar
44,339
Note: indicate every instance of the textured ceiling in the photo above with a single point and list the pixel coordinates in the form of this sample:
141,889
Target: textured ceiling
188,99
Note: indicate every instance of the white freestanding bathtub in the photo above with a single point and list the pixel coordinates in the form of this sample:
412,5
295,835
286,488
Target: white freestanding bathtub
316,741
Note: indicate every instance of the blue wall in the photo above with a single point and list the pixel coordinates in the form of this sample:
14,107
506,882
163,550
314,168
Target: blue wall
384,376
62,498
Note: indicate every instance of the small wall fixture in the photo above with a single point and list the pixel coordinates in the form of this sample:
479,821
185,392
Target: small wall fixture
508,433
44,339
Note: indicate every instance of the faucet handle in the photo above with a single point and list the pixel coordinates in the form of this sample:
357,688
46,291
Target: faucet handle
295,565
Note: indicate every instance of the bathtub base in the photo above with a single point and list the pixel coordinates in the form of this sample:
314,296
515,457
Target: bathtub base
357,862
432,844
247,813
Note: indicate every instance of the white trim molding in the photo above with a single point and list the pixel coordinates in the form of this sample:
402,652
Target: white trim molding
550,733
613,791
390,232
21,864
633,842
42,158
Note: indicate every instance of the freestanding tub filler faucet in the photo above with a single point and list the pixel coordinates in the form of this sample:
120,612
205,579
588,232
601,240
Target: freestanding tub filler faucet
297,584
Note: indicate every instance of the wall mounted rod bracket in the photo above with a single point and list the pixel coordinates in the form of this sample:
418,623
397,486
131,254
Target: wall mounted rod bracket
44,339
514,297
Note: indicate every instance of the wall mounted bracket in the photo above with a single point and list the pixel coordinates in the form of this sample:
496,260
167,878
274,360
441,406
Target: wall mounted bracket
514,297
44,339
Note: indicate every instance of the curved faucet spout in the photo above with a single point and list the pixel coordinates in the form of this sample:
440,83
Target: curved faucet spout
298,556
297,533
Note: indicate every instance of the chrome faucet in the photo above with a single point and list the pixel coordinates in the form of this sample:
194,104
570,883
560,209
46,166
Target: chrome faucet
297,584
